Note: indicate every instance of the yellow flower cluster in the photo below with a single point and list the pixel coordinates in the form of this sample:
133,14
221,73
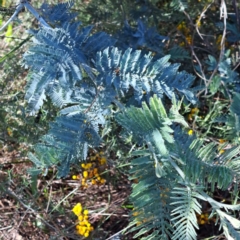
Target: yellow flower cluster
91,170
83,227
221,141
182,27
204,218
194,112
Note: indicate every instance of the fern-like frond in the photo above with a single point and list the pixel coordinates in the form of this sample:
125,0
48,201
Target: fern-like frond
233,120
149,192
131,69
151,123
68,139
202,163
184,217
58,58
230,225
147,39
178,53
59,14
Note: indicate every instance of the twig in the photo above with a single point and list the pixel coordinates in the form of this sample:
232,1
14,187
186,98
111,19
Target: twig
25,4
200,18
13,195
194,54
223,14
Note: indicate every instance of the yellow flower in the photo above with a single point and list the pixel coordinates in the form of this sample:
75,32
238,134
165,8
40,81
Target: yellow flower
83,165
102,181
74,177
89,165
85,174
96,175
85,212
103,160
222,140
194,110
86,234
77,209
94,181
202,222
80,217
190,132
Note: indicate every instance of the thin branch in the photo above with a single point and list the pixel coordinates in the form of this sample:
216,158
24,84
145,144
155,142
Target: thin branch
31,9
200,18
223,14
18,9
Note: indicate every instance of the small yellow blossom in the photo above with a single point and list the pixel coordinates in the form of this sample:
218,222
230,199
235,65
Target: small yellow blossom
190,132
77,209
80,217
103,160
85,174
83,165
222,140
88,165
85,212
74,177
194,110
102,181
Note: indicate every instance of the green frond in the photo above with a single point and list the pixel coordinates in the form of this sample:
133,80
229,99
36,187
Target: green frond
183,215
230,225
151,123
150,197
202,163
